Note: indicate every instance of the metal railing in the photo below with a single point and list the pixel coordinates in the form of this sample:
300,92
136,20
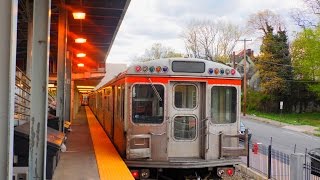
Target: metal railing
22,97
311,167
270,162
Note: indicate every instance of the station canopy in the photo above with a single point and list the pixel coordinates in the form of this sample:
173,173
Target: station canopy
98,29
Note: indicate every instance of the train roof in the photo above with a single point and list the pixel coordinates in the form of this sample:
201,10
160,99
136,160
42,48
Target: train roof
183,67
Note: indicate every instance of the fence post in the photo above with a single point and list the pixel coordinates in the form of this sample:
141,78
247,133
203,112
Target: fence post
296,166
248,154
269,162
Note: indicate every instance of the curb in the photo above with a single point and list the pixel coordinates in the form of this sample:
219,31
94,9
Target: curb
251,173
275,123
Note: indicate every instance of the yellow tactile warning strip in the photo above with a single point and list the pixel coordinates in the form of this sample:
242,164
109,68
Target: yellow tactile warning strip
110,164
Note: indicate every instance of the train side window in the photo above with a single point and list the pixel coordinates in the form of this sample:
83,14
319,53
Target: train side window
147,107
223,104
185,96
185,127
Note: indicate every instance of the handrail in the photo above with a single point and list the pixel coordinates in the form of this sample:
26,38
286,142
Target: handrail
233,151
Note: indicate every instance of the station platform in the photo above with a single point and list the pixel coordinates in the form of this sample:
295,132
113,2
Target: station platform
90,154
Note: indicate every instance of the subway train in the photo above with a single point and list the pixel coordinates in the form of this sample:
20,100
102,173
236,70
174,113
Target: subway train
174,118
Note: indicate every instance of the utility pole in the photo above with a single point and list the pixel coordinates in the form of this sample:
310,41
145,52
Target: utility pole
244,75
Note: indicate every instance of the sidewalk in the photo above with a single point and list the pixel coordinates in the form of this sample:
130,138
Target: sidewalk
311,130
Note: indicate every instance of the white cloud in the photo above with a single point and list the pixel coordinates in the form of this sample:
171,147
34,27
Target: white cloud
162,21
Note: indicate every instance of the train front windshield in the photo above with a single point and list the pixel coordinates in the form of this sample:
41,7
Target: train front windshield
147,103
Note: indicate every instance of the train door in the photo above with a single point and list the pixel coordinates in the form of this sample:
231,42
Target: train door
185,118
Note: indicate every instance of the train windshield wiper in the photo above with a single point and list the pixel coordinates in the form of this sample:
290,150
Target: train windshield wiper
155,90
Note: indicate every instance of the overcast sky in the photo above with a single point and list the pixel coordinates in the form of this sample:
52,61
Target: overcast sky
162,21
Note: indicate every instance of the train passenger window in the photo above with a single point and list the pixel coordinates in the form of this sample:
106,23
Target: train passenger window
223,104
147,107
185,96
184,127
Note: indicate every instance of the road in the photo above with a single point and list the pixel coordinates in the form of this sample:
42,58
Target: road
283,140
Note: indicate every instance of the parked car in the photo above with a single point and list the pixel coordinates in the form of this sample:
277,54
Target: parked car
242,130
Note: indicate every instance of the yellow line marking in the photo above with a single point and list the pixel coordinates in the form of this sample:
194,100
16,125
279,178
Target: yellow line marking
110,164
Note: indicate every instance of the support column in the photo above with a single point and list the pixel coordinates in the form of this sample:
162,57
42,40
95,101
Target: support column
67,90
61,64
39,89
296,166
72,110
29,42
8,36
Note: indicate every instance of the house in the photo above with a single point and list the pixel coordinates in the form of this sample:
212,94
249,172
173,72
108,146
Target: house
237,62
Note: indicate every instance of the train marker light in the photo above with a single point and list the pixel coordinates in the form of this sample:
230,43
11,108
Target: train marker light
151,69
233,71
227,71
79,15
138,68
165,69
210,70
145,68
158,69
216,71
221,71
230,172
135,174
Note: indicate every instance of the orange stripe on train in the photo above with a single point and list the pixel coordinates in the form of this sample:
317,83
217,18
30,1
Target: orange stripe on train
165,80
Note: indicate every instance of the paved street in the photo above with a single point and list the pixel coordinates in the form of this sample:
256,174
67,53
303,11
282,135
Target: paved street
282,139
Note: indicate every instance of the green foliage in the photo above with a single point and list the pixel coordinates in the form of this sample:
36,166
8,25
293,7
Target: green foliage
258,101
311,119
306,57
274,67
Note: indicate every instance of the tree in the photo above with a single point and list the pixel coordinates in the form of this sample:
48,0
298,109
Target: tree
274,63
306,57
308,17
158,51
262,20
211,40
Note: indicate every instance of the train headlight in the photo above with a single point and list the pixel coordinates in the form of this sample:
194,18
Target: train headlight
145,173
226,171
220,172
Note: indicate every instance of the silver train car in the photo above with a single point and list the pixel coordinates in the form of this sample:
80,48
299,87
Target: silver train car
174,118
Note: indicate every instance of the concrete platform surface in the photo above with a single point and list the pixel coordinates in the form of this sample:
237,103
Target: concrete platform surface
79,161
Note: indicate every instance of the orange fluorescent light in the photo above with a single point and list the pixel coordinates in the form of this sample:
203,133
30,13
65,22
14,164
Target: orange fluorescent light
80,65
80,40
80,55
79,15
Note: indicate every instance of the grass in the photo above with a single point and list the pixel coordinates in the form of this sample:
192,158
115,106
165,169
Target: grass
312,119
